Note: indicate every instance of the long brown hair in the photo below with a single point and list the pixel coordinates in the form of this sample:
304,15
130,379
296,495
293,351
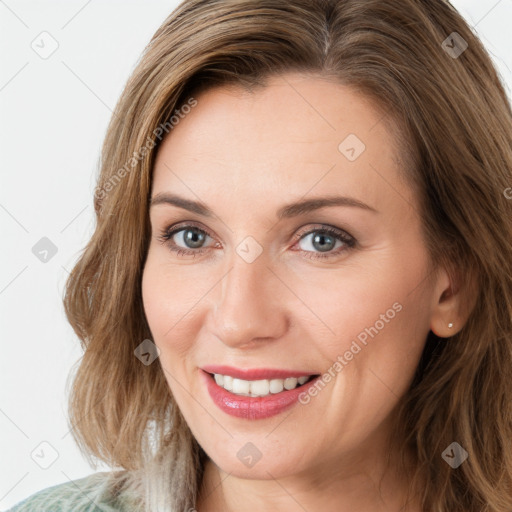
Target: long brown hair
456,141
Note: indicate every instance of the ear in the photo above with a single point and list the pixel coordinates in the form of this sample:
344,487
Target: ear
452,302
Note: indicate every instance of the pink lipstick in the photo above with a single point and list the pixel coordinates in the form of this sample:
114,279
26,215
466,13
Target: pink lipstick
250,407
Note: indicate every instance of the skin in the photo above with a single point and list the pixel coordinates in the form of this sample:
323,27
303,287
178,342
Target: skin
245,155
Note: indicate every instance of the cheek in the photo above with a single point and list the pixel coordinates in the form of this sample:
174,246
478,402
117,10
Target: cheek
170,296
374,316
163,313
154,299
161,296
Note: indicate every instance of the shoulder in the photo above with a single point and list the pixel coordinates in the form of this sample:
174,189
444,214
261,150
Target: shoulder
88,494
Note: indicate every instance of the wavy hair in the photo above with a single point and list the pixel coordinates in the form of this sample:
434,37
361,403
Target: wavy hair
454,124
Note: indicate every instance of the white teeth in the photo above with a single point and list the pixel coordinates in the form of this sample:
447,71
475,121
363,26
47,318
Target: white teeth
276,385
241,386
228,382
290,383
262,387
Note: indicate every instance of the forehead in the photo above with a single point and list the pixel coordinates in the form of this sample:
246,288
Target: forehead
298,135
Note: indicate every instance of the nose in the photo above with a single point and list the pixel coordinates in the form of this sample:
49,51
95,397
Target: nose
249,307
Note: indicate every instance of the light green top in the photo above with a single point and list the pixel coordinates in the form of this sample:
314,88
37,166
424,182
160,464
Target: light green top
88,494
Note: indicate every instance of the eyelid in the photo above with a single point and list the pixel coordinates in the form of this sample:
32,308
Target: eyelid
324,228
174,228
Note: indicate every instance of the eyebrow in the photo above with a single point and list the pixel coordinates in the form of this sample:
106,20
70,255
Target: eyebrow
290,210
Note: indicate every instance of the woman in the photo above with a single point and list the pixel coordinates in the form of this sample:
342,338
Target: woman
299,292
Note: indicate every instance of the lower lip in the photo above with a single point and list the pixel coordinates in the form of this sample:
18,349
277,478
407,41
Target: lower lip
253,408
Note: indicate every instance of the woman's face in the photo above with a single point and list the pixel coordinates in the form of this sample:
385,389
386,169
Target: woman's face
250,286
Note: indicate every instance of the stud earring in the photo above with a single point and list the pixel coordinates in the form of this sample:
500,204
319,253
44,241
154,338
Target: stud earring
450,325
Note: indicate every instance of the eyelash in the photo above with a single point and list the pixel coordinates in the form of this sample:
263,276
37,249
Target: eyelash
166,235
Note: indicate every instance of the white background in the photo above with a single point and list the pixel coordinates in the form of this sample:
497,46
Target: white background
54,113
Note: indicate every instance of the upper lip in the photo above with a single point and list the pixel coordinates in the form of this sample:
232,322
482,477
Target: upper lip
255,373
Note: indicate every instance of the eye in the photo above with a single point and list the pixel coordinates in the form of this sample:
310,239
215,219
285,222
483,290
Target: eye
191,237
324,240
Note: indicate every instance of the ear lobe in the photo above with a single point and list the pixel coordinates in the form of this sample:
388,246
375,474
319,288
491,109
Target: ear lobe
452,303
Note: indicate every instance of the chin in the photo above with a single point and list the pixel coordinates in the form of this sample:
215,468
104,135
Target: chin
257,460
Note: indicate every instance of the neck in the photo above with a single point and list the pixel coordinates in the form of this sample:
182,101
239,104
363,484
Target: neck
374,487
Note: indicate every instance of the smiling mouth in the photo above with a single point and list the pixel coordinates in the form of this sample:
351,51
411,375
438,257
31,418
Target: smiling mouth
261,387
